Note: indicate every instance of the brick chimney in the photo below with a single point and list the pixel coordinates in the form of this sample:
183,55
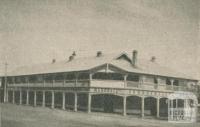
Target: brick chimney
134,57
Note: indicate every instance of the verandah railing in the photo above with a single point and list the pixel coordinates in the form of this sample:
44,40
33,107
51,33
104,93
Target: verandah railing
56,83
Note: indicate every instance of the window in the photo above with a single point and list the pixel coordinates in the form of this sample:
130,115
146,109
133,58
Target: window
32,79
133,78
176,83
59,77
17,80
71,76
155,80
83,76
168,82
23,79
39,78
48,78
108,76
10,80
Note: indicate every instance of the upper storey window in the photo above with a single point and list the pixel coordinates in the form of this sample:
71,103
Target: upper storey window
83,76
17,80
70,76
133,78
10,80
23,79
48,78
155,80
32,79
168,82
59,77
108,76
39,78
176,83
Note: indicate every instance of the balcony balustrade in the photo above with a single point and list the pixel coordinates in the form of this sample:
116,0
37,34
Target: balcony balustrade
107,83
133,84
56,83
169,87
148,85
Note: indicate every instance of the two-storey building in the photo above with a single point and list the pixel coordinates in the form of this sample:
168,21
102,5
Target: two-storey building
100,83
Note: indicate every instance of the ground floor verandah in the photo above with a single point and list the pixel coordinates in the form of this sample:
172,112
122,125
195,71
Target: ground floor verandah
124,104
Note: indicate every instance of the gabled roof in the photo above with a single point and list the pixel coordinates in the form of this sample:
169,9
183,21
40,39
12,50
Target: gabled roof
122,61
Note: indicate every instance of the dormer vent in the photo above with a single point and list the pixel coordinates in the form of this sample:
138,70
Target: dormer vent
71,58
99,54
74,53
53,61
153,59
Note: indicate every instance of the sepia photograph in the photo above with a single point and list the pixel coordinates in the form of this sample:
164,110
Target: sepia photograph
99,63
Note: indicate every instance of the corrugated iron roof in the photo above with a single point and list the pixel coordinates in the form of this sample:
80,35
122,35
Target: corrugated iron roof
87,63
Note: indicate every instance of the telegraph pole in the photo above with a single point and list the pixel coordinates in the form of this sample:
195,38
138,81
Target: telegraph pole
5,83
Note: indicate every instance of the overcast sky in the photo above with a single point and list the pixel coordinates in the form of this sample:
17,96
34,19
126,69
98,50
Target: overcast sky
35,31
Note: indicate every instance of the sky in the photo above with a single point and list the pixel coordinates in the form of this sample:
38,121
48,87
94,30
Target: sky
36,31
